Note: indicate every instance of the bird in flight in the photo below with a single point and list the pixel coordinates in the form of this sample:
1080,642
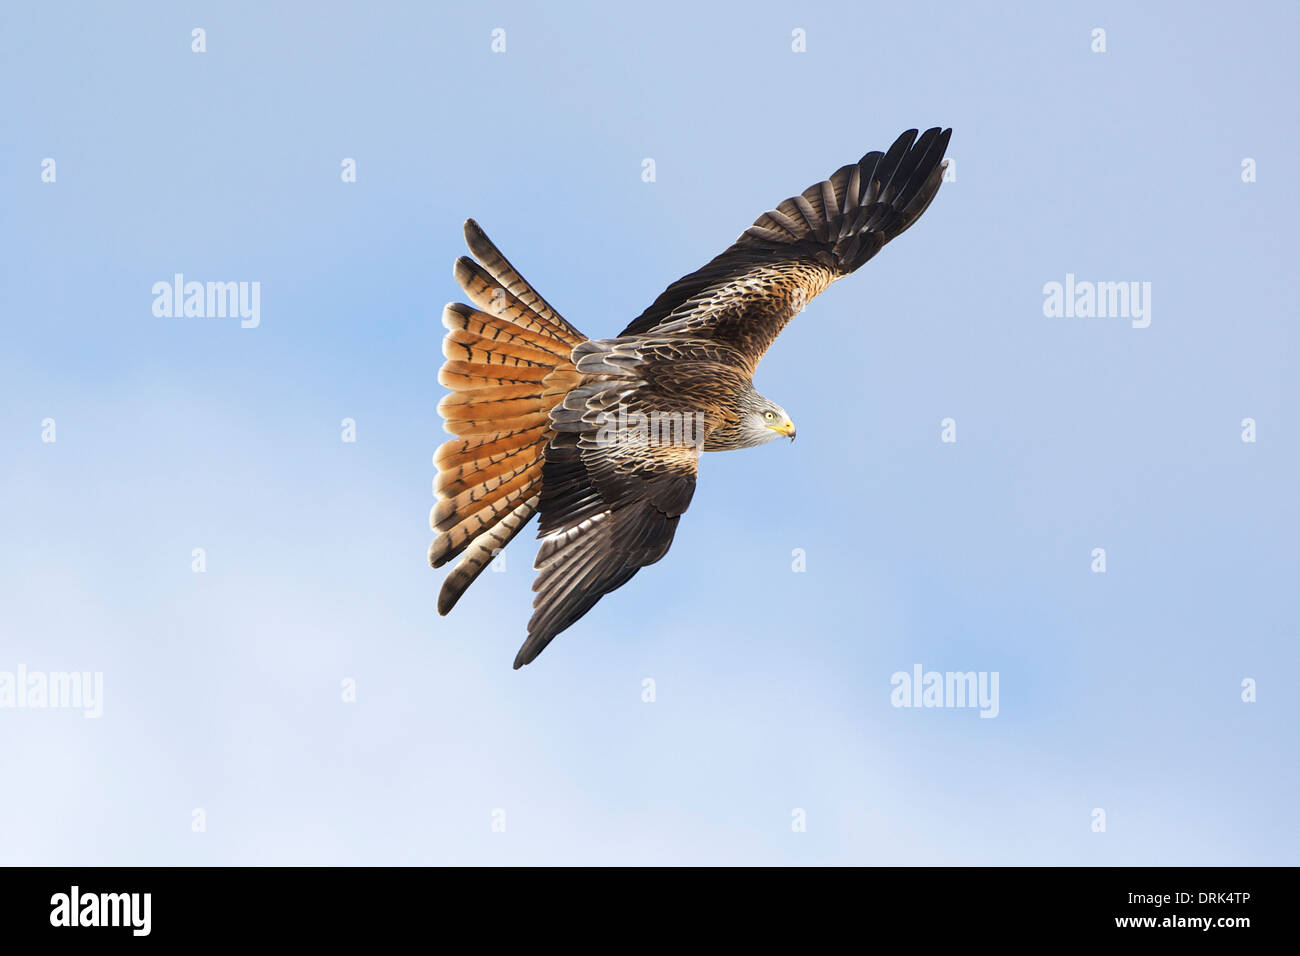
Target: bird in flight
602,437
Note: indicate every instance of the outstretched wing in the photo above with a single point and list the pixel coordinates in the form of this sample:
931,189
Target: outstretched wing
611,495
745,297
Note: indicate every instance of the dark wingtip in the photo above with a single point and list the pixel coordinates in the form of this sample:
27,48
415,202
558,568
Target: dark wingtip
528,651
908,137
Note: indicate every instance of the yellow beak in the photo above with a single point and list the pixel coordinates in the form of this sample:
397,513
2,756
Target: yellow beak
786,428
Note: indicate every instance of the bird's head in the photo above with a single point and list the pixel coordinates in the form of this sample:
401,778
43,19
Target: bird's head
765,420
752,420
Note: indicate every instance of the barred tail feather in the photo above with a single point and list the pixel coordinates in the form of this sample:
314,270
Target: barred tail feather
508,362
481,552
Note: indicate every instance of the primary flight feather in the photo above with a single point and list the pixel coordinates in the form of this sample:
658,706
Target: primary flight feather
602,437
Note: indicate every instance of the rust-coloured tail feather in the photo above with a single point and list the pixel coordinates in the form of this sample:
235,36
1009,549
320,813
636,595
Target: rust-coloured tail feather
501,270
481,552
472,448
508,362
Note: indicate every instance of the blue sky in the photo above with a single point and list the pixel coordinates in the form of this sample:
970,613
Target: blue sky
222,690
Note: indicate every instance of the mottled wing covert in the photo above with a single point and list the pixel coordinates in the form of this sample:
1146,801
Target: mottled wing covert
745,296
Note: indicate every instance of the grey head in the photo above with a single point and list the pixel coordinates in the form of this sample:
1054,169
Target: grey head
755,421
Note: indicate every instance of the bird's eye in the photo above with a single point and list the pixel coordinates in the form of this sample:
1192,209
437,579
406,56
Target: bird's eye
770,416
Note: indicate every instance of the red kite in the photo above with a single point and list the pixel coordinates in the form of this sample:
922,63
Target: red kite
602,437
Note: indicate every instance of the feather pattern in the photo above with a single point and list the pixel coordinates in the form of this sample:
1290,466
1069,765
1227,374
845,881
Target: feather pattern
507,361
745,296
532,399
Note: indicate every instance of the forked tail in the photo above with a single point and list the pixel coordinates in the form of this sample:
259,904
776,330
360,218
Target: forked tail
507,366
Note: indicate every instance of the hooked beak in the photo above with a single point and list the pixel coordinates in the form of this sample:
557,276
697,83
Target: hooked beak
786,429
